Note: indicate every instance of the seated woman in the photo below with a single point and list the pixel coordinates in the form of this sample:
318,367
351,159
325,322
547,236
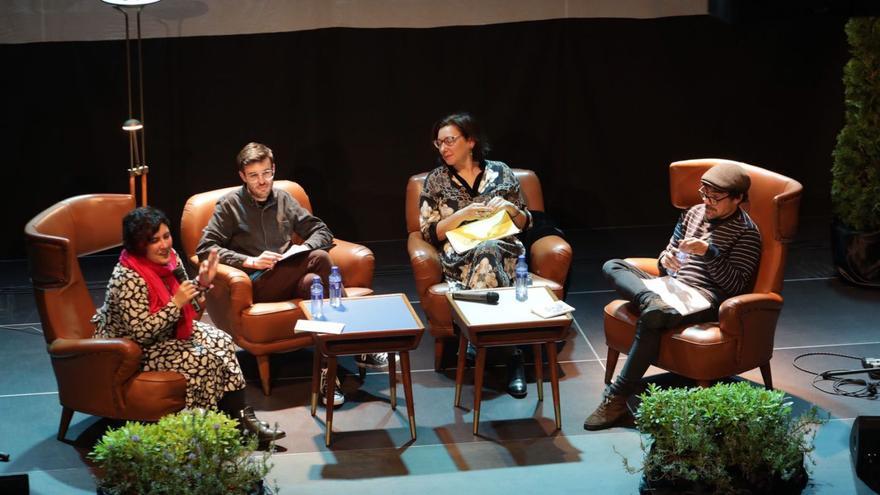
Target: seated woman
146,303
467,187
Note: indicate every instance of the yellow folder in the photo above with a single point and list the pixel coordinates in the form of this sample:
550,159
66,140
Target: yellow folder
467,236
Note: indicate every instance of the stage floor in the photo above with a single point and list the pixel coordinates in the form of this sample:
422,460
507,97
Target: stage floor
518,449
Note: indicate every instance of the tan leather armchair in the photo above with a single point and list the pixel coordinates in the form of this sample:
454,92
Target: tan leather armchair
742,339
263,329
550,259
95,376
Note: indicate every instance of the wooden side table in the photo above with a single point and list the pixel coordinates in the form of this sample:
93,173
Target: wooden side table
373,324
510,322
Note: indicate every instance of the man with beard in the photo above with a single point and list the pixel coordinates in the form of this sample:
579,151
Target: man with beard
715,248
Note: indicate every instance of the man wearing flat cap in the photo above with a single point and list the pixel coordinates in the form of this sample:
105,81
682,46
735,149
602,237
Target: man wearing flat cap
715,248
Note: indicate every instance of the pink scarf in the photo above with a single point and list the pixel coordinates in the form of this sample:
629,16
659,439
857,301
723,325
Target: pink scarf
161,286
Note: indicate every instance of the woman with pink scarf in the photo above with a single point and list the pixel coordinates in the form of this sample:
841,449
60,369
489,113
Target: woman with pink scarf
146,303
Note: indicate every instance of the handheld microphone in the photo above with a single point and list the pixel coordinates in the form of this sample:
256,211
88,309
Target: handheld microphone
180,275
485,297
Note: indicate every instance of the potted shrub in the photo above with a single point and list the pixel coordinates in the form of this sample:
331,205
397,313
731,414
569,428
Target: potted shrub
855,185
189,452
729,438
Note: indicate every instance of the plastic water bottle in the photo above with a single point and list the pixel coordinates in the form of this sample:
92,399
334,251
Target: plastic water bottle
682,257
522,279
335,287
317,300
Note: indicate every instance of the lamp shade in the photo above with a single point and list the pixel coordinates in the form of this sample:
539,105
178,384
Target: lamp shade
129,3
132,125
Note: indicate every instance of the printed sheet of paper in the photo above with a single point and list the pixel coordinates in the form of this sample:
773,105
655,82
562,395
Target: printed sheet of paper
555,308
467,236
684,298
294,249
318,326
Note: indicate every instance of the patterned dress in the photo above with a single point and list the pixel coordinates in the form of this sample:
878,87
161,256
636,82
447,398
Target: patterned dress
491,263
207,359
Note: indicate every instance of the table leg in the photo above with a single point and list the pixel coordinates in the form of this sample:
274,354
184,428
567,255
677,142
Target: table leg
407,391
316,380
459,367
392,379
554,382
478,385
328,398
539,371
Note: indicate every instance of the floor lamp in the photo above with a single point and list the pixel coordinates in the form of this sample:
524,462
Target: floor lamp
135,126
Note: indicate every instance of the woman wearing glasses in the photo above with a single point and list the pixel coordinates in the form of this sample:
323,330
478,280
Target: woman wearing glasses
466,187
145,302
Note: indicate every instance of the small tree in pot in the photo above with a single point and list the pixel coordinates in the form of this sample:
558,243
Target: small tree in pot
855,187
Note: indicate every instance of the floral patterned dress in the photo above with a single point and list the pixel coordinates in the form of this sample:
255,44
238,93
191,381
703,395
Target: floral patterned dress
491,263
207,359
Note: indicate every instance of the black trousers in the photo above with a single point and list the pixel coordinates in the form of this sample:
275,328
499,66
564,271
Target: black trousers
628,281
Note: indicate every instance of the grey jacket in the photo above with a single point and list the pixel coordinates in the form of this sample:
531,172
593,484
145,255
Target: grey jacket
241,228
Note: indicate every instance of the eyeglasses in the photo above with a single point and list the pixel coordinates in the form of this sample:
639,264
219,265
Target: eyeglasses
448,141
713,200
256,176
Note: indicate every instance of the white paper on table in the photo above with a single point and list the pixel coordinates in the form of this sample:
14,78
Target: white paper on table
555,308
319,326
509,310
684,298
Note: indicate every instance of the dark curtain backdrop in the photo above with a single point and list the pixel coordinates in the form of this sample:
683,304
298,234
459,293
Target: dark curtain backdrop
597,107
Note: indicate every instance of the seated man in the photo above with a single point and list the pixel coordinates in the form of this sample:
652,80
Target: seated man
253,225
714,248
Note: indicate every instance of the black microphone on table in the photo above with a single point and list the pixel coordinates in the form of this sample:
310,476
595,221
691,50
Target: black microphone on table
180,275
485,297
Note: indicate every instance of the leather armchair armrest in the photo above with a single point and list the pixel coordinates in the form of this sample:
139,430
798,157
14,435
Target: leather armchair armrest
356,262
232,294
648,265
425,261
751,318
96,360
551,258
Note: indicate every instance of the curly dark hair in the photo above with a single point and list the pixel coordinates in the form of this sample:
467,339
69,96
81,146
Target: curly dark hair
139,225
467,124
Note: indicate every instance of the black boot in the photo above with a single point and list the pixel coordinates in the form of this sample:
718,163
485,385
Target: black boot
470,354
251,425
516,376
234,406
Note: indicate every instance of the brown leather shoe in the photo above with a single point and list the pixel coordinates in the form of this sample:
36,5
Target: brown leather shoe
612,409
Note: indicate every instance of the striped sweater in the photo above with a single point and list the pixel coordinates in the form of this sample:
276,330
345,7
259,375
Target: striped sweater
729,265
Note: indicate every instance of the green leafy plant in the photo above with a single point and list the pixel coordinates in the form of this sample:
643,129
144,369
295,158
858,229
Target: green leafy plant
723,437
855,186
190,452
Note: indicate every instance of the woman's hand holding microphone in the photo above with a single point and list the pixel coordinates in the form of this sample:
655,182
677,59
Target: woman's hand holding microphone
185,293
192,289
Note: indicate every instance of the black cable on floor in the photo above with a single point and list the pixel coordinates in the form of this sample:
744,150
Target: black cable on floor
866,389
